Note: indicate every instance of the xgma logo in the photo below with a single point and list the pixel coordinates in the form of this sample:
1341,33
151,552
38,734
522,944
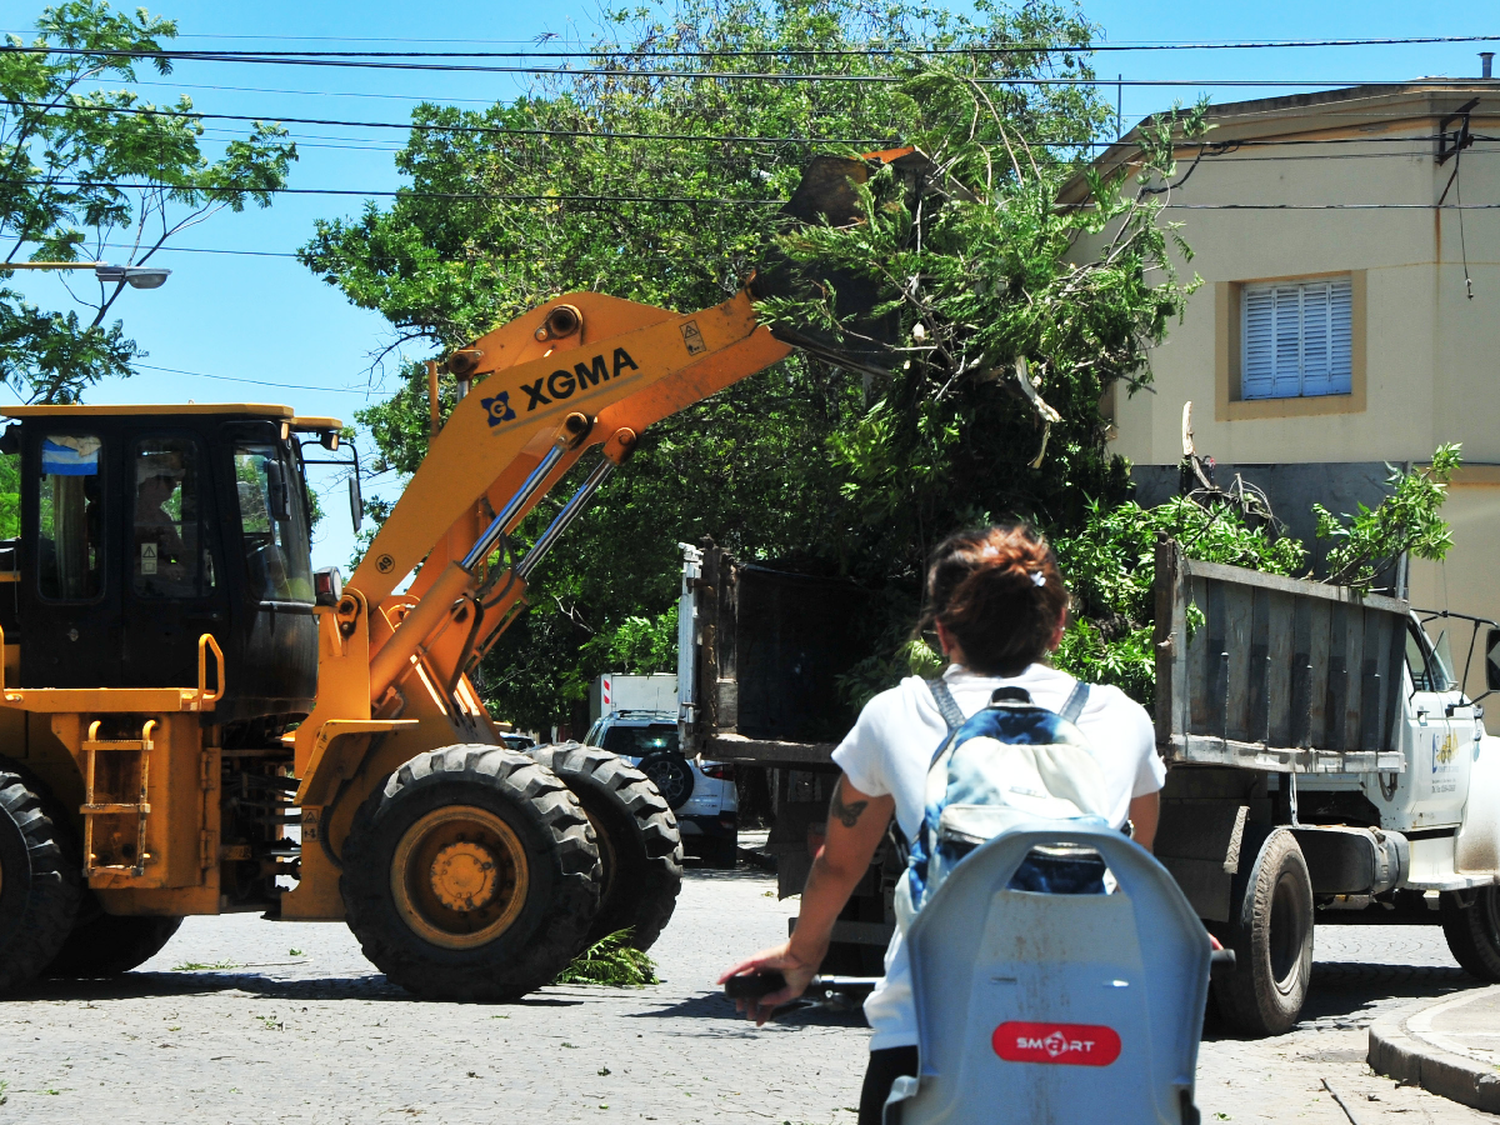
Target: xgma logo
561,384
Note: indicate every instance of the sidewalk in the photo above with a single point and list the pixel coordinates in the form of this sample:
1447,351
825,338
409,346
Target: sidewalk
1449,1047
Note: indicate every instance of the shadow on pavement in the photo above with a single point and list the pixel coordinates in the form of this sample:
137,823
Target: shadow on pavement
136,986
717,1006
1348,993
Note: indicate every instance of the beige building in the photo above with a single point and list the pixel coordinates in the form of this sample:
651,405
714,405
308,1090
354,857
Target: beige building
1344,320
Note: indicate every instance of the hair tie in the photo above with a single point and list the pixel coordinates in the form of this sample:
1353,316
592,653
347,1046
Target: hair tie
1038,578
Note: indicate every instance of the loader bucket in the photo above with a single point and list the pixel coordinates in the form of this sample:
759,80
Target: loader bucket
827,194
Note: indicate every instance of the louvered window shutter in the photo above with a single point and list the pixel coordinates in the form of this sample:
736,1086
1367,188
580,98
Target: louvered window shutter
1296,339
1257,366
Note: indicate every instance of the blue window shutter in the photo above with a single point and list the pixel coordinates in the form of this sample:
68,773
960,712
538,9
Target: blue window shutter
1315,338
1257,358
1341,317
1296,339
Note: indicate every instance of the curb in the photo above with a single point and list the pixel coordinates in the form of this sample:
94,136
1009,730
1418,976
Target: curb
1398,1053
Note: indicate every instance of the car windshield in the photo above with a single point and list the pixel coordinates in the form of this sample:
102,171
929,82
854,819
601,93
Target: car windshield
637,742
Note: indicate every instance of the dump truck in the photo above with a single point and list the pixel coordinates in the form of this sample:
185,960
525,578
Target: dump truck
1324,764
194,722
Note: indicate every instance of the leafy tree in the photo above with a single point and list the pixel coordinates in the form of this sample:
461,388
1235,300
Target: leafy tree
658,178
87,169
1368,543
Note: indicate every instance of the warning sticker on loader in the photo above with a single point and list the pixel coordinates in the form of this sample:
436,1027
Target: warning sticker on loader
148,558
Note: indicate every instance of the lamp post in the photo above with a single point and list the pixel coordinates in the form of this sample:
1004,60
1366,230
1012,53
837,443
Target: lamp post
137,277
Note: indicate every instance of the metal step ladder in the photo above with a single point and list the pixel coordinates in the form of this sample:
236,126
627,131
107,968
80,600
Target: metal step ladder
92,808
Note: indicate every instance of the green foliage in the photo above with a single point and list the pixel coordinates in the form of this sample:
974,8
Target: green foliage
1369,542
1009,333
10,495
613,961
86,167
1111,564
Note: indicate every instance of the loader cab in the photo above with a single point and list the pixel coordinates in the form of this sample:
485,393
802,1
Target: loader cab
143,528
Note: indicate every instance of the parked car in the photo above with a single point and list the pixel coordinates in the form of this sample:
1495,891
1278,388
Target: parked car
703,797
513,741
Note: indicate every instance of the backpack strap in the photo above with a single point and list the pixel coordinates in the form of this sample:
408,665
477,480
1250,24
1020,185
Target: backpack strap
945,704
1077,701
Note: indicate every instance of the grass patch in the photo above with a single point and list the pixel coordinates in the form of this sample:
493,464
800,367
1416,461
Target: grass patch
612,961
200,966
4,1097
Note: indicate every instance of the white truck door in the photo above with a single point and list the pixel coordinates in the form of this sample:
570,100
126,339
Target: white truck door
1439,726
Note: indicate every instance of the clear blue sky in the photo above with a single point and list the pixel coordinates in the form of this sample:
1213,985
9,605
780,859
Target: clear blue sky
238,321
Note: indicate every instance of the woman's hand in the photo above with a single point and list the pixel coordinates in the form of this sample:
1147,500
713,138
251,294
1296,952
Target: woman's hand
798,973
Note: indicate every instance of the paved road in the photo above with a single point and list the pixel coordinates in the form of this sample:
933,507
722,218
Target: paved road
295,1026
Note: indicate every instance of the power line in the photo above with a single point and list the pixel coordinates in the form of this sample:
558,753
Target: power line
730,202
509,131
253,382
450,196
602,51
717,75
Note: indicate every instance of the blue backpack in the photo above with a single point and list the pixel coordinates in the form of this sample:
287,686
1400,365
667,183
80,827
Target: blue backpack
1012,763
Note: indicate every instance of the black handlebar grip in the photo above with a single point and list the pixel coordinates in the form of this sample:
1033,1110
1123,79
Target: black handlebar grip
752,986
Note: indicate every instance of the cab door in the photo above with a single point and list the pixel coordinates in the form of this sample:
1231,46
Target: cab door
172,585
69,608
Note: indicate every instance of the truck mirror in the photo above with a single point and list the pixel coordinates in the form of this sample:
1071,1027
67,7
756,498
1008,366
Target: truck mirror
277,495
1492,659
356,504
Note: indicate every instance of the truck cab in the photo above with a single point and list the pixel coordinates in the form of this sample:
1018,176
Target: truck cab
142,529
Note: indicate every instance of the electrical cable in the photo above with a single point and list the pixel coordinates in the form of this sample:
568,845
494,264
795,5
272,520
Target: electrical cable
719,201
724,75
255,382
816,52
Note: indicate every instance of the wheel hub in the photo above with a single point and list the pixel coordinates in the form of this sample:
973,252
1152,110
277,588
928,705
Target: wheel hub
463,876
459,877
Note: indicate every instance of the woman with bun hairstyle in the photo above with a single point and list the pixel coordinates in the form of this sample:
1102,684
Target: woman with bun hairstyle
999,606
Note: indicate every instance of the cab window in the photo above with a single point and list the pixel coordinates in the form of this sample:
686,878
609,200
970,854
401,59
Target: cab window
169,557
70,547
1429,670
273,524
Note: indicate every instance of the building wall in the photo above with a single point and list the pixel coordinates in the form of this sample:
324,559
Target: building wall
1430,370
1431,356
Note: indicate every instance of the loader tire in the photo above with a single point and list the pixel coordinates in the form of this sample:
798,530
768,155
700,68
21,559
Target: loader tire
106,945
1271,932
640,849
472,874
39,879
1473,932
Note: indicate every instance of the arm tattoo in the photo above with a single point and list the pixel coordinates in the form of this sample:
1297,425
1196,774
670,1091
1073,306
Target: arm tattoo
849,814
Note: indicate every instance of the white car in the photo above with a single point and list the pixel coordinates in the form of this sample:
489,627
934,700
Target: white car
703,798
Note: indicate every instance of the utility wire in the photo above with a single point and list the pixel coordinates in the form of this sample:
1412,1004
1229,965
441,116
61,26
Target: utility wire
601,51
730,202
254,382
509,131
715,75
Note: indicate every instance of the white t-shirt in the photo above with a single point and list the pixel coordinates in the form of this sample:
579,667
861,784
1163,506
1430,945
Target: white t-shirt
891,747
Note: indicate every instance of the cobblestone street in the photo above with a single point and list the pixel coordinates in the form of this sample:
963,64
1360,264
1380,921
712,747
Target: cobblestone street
240,1020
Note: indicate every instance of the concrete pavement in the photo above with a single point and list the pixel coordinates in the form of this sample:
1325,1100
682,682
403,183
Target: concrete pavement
1449,1046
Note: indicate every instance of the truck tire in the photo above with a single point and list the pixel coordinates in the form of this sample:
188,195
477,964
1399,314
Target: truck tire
640,850
1271,932
106,945
472,874
1473,932
39,880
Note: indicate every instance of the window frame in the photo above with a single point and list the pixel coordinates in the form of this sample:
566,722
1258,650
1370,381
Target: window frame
32,483
1230,403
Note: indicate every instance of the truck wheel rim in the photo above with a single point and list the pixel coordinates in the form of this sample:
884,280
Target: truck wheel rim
459,877
1286,933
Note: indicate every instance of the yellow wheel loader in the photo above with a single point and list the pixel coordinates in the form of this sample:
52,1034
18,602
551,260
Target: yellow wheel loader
193,722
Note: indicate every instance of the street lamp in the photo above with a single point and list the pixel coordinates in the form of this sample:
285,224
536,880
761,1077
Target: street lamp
137,277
